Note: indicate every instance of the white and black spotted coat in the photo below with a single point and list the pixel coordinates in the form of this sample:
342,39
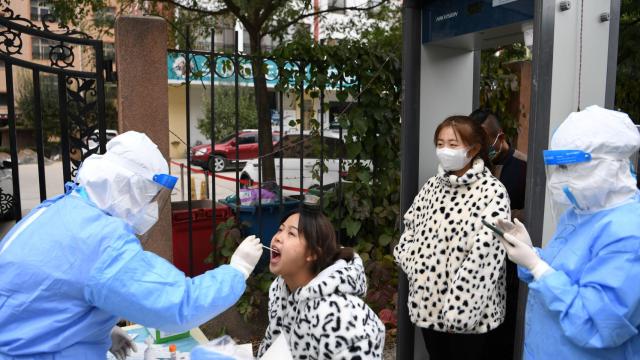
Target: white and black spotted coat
326,319
455,265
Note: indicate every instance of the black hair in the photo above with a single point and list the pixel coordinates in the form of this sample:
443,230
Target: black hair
488,119
320,236
479,115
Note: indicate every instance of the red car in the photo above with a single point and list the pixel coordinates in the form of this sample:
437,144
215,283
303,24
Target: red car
225,151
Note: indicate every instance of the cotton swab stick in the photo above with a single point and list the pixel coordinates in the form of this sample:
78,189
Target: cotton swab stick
268,248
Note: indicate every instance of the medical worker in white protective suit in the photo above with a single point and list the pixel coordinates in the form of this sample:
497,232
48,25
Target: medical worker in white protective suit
74,265
584,286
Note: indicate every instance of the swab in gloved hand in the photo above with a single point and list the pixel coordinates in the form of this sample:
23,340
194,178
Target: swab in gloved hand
246,256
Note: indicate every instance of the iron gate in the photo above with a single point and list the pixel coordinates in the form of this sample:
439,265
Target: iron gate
218,69
71,63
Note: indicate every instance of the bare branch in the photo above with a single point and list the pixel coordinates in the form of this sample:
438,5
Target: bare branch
295,20
235,10
223,11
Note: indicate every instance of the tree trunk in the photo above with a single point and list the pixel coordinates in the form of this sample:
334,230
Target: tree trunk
265,140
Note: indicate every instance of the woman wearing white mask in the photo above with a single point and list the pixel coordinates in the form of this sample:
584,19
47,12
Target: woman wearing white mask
454,264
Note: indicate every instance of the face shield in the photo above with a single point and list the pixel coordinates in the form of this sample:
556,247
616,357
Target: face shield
585,181
158,193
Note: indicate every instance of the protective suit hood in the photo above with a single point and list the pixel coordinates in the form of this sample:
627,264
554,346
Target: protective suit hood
598,131
121,181
608,138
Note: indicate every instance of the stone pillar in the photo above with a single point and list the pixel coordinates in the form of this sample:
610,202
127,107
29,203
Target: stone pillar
141,63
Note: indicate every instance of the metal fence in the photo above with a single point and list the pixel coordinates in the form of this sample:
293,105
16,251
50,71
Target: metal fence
217,69
71,63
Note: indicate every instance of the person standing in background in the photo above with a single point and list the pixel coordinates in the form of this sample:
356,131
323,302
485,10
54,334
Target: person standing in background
454,264
509,164
510,167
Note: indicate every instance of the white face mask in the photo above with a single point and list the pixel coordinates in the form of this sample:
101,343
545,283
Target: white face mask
452,159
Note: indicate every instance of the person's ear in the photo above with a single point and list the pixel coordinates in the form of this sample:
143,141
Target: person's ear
310,256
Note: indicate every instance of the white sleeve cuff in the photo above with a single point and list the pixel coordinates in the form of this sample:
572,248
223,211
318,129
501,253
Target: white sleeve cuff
541,269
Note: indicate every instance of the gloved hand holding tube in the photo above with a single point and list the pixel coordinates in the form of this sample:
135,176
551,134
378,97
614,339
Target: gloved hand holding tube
247,255
121,343
520,250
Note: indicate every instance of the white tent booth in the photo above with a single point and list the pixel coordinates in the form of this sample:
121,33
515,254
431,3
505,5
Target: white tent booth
574,54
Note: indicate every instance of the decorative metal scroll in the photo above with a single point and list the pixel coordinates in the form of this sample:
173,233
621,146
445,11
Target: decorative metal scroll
82,110
81,107
45,24
7,205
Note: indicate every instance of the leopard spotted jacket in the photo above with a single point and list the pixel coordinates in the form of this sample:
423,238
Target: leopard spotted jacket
326,319
455,265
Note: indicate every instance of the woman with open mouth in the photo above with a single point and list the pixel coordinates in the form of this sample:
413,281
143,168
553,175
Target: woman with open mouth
315,302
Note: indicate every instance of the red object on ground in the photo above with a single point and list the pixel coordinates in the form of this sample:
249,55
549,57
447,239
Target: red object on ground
202,226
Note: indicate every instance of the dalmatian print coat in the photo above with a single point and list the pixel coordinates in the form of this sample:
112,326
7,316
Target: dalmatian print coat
326,319
455,265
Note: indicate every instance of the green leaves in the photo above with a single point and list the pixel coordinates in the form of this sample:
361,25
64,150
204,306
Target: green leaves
353,149
384,240
226,111
627,97
499,83
352,226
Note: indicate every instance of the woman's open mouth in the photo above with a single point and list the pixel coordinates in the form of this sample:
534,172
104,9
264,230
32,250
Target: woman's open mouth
275,255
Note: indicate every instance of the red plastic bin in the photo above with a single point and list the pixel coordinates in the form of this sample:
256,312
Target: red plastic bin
202,227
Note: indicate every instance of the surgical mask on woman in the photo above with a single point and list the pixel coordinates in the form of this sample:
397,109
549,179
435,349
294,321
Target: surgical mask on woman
452,159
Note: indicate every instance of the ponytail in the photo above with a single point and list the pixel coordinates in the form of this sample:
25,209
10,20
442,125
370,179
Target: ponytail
343,253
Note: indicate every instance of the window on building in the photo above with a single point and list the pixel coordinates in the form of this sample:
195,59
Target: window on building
202,44
229,40
302,30
40,48
268,44
218,40
105,17
337,5
246,42
109,51
376,10
39,9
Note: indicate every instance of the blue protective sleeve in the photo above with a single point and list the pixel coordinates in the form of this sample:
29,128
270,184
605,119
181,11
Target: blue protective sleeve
524,274
601,310
145,288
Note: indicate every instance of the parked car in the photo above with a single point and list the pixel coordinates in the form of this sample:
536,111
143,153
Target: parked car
334,149
224,153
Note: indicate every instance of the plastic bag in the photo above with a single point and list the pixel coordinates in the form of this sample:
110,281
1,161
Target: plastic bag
251,196
222,348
